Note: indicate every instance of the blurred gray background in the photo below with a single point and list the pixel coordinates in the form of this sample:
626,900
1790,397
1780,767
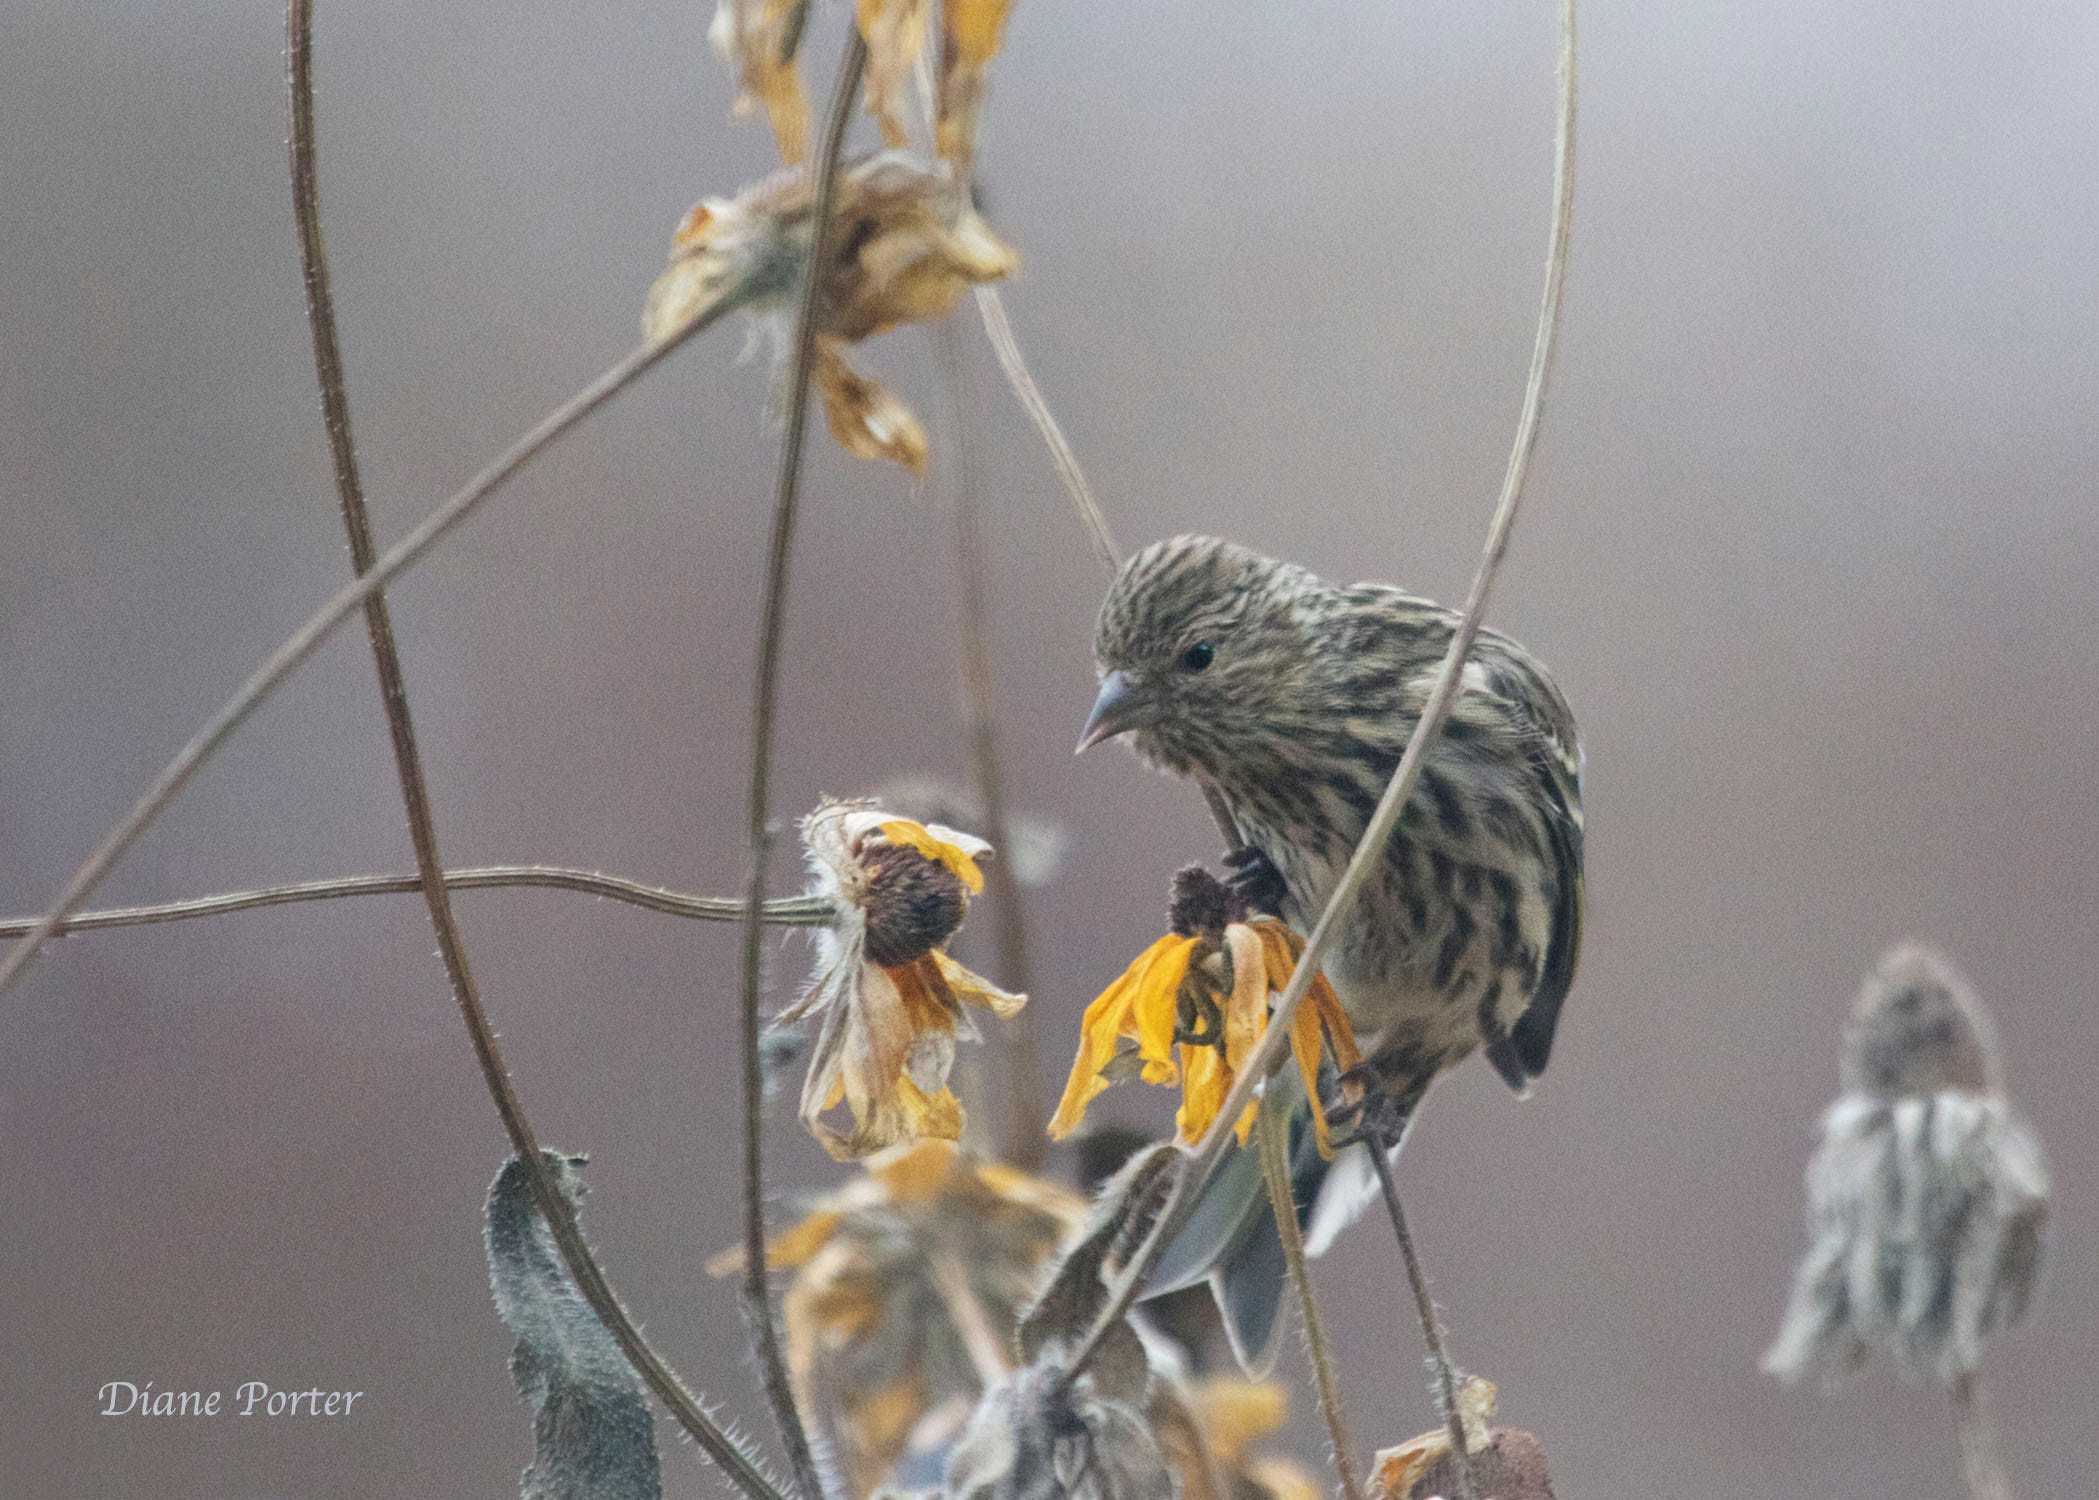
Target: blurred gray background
1812,546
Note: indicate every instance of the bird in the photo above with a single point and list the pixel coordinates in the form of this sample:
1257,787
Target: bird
1289,700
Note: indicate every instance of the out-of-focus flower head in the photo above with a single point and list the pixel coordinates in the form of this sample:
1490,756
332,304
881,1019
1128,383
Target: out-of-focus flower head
761,41
1927,1195
887,1003
908,1285
1506,1462
1229,1418
1045,1434
1205,988
908,242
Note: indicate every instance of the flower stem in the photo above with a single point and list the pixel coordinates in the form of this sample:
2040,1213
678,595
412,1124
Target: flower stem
1021,1137
992,308
1272,1133
1982,1453
1440,1367
757,1296
553,1205
787,911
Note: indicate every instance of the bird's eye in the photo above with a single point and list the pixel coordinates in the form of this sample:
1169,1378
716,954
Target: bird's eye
1198,656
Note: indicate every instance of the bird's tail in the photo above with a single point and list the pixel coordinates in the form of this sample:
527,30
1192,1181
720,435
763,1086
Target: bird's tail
1230,1239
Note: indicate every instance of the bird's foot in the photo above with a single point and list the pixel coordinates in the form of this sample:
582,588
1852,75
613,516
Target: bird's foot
1370,1106
1255,880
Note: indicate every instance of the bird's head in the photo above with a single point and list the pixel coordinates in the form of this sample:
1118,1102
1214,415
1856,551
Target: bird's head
1200,648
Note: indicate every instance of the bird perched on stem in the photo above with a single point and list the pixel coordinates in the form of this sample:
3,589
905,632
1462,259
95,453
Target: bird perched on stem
1290,701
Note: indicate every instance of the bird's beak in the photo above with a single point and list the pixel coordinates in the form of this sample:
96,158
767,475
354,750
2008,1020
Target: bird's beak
1120,706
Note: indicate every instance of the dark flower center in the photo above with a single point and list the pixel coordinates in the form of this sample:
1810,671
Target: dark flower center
914,904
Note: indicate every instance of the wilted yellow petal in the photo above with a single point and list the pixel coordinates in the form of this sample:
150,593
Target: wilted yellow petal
1305,1043
865,418
1235,1412
759,39
1155,1007
971,31
974,989
1203,1085
793,1246
917,1173
937,1115
958,861
894,30
1110,1018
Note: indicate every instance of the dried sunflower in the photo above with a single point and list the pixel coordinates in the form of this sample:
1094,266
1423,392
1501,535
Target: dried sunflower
908,243
1205,987
886,1000
908,1284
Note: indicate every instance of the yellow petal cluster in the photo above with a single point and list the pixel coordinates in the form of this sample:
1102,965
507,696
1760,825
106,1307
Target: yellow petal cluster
1176,995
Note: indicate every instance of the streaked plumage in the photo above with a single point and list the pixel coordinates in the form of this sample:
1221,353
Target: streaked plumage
1293,698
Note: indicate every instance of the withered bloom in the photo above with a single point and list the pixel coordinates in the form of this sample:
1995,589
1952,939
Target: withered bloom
1229,1419
1206,988
886,1000
908,1284
1927,1194
908,243
1037,1436
1506,1462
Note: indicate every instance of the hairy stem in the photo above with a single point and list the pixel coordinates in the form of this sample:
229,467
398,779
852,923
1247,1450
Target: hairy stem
1982,1454
554,1206
1020,1136
1202,1158
992,307
757,1295
787,911
1272,1133
1441,1370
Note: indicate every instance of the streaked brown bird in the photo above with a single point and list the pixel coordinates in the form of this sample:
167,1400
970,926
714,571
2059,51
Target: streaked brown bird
1291,699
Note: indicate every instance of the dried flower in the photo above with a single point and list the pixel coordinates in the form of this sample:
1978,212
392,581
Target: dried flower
1927,1194
895,31
886,999
1205,987
1506,1463
1040,1436
908,243
908,1285
760,40
1034,847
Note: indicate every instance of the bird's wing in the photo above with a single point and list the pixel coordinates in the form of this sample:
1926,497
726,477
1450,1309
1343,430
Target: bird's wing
1556,762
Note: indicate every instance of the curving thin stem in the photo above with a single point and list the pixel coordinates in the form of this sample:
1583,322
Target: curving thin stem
1272,1132
554,1206
1442,1370
299,648
786,911
1020,1138
757,1295
999,329
1202,1158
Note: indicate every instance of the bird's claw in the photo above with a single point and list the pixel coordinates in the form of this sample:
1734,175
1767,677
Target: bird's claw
1255,880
